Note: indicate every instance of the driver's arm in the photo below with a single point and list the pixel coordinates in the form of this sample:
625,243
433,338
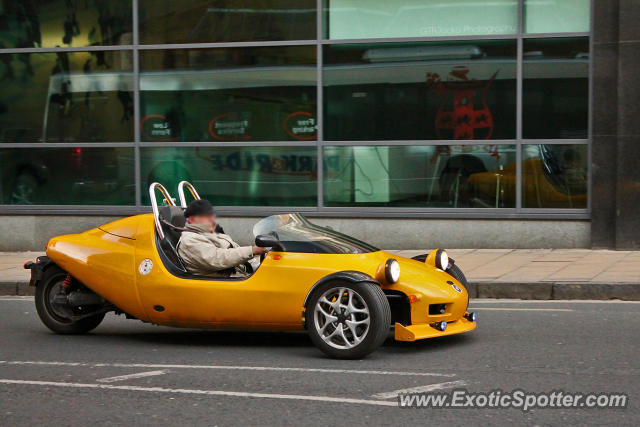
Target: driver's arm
199,252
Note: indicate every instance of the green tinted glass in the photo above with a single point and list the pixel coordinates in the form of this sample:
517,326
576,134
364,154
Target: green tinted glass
229,94
442,176
67,176
236,176
197,21
556,16
51,23
554,176
356,19
66,97
416,91
555,99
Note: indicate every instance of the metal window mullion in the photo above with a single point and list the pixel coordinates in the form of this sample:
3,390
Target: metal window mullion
319,108
65,144
212,45
136,103
590,110
65,49
227,144
422,142
519,81
421,39
555,35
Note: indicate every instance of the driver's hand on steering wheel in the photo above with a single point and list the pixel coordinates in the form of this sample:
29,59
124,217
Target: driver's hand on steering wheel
257,250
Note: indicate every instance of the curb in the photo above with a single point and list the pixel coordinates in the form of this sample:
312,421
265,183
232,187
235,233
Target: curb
506,290
16,287
556,290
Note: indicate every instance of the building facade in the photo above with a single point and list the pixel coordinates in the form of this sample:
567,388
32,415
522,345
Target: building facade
468,121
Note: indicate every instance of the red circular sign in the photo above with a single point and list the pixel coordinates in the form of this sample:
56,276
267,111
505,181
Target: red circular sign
229,127
300,125
155,127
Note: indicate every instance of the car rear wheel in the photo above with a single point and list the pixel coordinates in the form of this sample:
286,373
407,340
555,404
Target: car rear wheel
59,317
348,320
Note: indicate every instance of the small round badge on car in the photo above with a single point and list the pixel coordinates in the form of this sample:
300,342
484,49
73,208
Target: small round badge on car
456,287
145,266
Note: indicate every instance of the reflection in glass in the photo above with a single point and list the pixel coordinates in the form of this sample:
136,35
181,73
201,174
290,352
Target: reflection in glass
66,23
556,16
229,94
355,19
236,176
554,176
196,21
66,97
440,176
67,176
555,100
416,91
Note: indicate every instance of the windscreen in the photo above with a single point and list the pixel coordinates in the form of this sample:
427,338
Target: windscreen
297,234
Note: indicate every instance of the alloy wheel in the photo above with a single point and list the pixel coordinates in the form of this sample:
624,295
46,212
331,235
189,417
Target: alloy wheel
342,318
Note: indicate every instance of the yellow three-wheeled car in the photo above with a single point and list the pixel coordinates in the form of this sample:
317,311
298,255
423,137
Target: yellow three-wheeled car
344,292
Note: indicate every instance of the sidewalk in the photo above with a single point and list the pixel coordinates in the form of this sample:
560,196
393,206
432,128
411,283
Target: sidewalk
492,273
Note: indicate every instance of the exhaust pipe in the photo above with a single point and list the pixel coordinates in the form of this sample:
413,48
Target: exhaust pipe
79,299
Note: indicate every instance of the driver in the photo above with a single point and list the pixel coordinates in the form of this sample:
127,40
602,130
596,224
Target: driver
206,252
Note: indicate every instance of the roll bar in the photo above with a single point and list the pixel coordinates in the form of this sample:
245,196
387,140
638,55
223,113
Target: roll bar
192,190
154,204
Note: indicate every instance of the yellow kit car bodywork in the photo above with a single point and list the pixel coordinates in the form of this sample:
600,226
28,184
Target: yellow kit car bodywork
107,260
344,292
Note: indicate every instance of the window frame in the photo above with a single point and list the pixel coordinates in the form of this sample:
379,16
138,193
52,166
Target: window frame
321,210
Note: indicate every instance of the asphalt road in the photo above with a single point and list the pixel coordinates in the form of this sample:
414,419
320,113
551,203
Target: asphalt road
127,372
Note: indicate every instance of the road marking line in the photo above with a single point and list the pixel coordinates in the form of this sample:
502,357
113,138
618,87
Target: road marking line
131,376
223,367
16,298
420,389
201,392
521,309
553,301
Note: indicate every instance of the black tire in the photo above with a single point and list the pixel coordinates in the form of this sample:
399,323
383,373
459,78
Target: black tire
58,323
379,314
457,274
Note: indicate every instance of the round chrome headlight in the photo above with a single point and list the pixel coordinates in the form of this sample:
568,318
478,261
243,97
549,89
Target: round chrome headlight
442,259
392,270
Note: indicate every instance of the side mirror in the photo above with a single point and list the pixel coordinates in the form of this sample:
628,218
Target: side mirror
268,241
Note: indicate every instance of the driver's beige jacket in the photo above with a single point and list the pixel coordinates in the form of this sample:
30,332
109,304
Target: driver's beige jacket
212,254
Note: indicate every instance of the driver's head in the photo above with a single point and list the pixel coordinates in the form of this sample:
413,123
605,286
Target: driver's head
201,212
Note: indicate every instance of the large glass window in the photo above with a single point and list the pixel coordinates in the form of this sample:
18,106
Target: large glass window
443,176
66,97
412,91
555,100
556,16
51,23
229,94
196,21
67,176
237,176
358,19
554,176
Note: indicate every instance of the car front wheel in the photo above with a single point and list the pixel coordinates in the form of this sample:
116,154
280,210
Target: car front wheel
348,320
